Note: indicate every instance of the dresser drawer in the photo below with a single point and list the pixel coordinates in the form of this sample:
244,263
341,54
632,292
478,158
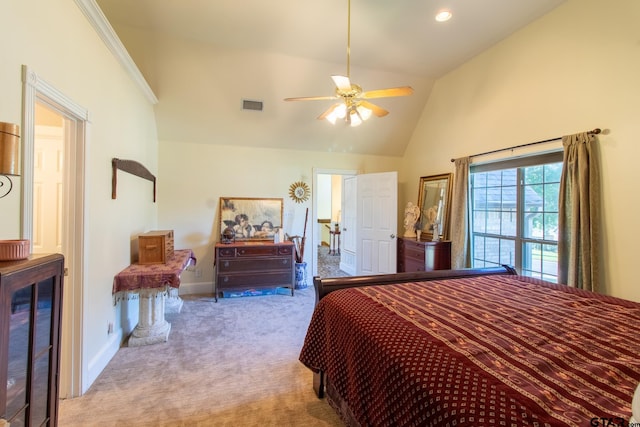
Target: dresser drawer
249,280
413,265
413,252
253,251
227,252
423,255
254,264
256,251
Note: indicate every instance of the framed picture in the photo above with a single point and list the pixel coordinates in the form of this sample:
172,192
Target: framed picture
251,219
434,200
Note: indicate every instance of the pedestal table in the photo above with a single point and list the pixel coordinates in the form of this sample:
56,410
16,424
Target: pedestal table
152,283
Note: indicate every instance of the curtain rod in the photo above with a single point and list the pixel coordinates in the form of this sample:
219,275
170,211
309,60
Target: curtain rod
592,132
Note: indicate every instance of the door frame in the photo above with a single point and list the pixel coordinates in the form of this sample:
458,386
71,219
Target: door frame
36,90
314,210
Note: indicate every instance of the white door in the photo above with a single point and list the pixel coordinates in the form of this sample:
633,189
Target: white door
348,231
48,161
377,222
370,220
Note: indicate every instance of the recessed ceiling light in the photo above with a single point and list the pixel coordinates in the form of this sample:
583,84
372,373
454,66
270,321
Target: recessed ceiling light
443,15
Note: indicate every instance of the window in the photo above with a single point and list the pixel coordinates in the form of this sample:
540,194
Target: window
514,218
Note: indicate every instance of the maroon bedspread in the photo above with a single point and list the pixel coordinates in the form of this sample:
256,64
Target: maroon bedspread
500,350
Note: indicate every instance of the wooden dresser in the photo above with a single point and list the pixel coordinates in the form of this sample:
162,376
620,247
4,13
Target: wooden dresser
30,316
243,266
423,255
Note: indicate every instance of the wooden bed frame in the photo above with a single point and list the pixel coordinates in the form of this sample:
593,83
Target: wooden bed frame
324,286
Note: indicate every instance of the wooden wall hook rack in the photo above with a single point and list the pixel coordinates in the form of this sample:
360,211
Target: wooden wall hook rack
134,168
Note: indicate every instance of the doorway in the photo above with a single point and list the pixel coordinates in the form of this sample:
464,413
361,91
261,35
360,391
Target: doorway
327,206
48,171
54,130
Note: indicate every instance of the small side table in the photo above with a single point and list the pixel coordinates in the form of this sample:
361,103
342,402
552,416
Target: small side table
152,282
334,249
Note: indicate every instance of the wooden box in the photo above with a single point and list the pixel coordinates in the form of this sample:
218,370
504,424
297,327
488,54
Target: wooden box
155,247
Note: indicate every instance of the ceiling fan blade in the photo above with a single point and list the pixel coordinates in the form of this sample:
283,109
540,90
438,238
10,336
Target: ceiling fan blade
311,98
328,111
384,93
377,111
342,82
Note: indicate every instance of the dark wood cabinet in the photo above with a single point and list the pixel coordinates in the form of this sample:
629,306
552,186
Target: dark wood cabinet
423,255
242,266
30,320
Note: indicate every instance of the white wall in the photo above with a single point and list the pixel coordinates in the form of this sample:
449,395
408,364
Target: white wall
193,177
323,196
336,198
55,40
573,70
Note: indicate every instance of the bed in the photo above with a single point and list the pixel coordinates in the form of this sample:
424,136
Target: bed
472,347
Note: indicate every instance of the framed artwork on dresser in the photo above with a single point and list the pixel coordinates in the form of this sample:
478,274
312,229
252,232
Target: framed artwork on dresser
251,218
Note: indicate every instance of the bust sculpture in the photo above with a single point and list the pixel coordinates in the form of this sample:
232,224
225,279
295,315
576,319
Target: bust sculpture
411,216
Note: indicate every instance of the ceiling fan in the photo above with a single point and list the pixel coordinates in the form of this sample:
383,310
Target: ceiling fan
353,106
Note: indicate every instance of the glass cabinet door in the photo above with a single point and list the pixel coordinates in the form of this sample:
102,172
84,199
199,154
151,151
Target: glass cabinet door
28,389
30,316
18,348
39,411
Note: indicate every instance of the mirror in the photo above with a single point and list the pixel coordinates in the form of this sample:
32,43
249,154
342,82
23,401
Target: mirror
434,199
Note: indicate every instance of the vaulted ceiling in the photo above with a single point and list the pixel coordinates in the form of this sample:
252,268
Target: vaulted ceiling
203,57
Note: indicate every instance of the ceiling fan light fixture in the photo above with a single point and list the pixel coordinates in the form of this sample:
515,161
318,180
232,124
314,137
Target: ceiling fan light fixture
364,112
443,15
354,118
355,107
331,118
339,112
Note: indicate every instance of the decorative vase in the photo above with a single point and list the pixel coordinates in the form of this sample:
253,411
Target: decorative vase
418,233
436,232
301,275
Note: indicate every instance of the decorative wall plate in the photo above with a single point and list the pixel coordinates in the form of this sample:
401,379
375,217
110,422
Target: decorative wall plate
299,192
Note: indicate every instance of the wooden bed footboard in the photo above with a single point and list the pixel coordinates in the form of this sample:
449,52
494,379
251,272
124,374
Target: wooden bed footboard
324,286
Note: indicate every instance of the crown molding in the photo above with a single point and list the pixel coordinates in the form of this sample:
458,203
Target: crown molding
99,22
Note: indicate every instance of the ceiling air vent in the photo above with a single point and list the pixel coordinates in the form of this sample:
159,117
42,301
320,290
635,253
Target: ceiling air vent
251,105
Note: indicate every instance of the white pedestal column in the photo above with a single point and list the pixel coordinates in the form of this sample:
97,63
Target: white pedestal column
173,303
152,328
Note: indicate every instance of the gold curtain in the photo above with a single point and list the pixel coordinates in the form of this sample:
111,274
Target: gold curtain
460,235
579,213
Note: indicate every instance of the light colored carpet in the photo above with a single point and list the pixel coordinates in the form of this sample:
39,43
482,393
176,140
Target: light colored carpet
231,363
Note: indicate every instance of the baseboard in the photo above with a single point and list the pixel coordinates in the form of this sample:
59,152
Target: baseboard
195,288
101,360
